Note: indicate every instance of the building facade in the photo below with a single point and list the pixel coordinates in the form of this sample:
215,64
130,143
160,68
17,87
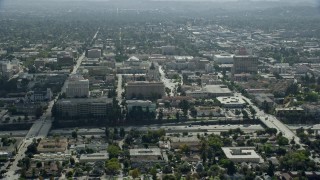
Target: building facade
82,107
245,64
77,87
144,89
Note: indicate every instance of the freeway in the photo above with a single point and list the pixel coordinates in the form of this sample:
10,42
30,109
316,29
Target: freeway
42,126
271,121
168,128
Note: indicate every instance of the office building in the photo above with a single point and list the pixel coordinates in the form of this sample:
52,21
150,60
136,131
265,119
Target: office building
83,107
77,87
144,89
223,58
245,64
94,53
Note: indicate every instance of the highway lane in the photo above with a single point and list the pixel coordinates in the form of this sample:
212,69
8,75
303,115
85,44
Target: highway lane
167,128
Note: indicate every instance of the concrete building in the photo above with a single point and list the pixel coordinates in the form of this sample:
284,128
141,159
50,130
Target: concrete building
140,103
77,87
242,154
94,53
93,157
223,58
210,79
52,145
65,58
144,89
4,156
192,142
245,64
207,111
38,96
209,91
9,68
46,157
231,102
281,68
82,107
264,99
146,155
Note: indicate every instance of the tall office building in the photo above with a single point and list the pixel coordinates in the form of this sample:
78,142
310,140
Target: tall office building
77,87
245,64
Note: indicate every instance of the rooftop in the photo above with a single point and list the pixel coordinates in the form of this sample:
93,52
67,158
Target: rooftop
145,152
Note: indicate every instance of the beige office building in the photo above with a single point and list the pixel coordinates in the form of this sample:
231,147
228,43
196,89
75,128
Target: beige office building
144,89
77,87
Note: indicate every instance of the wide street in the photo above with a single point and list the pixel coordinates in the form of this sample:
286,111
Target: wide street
41,127
168,82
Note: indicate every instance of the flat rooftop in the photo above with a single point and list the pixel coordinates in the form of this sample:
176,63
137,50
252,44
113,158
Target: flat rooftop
145,152
240,153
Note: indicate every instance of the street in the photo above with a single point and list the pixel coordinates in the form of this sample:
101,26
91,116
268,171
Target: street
42,126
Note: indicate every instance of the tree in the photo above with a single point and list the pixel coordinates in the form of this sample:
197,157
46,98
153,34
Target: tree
271,169
153,172
74,134
168,91
178,116
160,115
107,132
184,168
113,166
282,141
134,173
184,105
72,161
122,132
39,164
229,165
113,151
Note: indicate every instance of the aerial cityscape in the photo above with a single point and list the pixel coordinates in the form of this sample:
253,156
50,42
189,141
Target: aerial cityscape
160,89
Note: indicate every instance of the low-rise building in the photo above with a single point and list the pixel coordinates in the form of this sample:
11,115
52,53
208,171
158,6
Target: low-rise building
280,111
131,104
242,154
47,157
205,111
223,58
209,91
52,145
38,96
231,102
94,157
146,155
192,142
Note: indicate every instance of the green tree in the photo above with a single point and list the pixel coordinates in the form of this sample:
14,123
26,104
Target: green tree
114,151
122,132
113,166
74,134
